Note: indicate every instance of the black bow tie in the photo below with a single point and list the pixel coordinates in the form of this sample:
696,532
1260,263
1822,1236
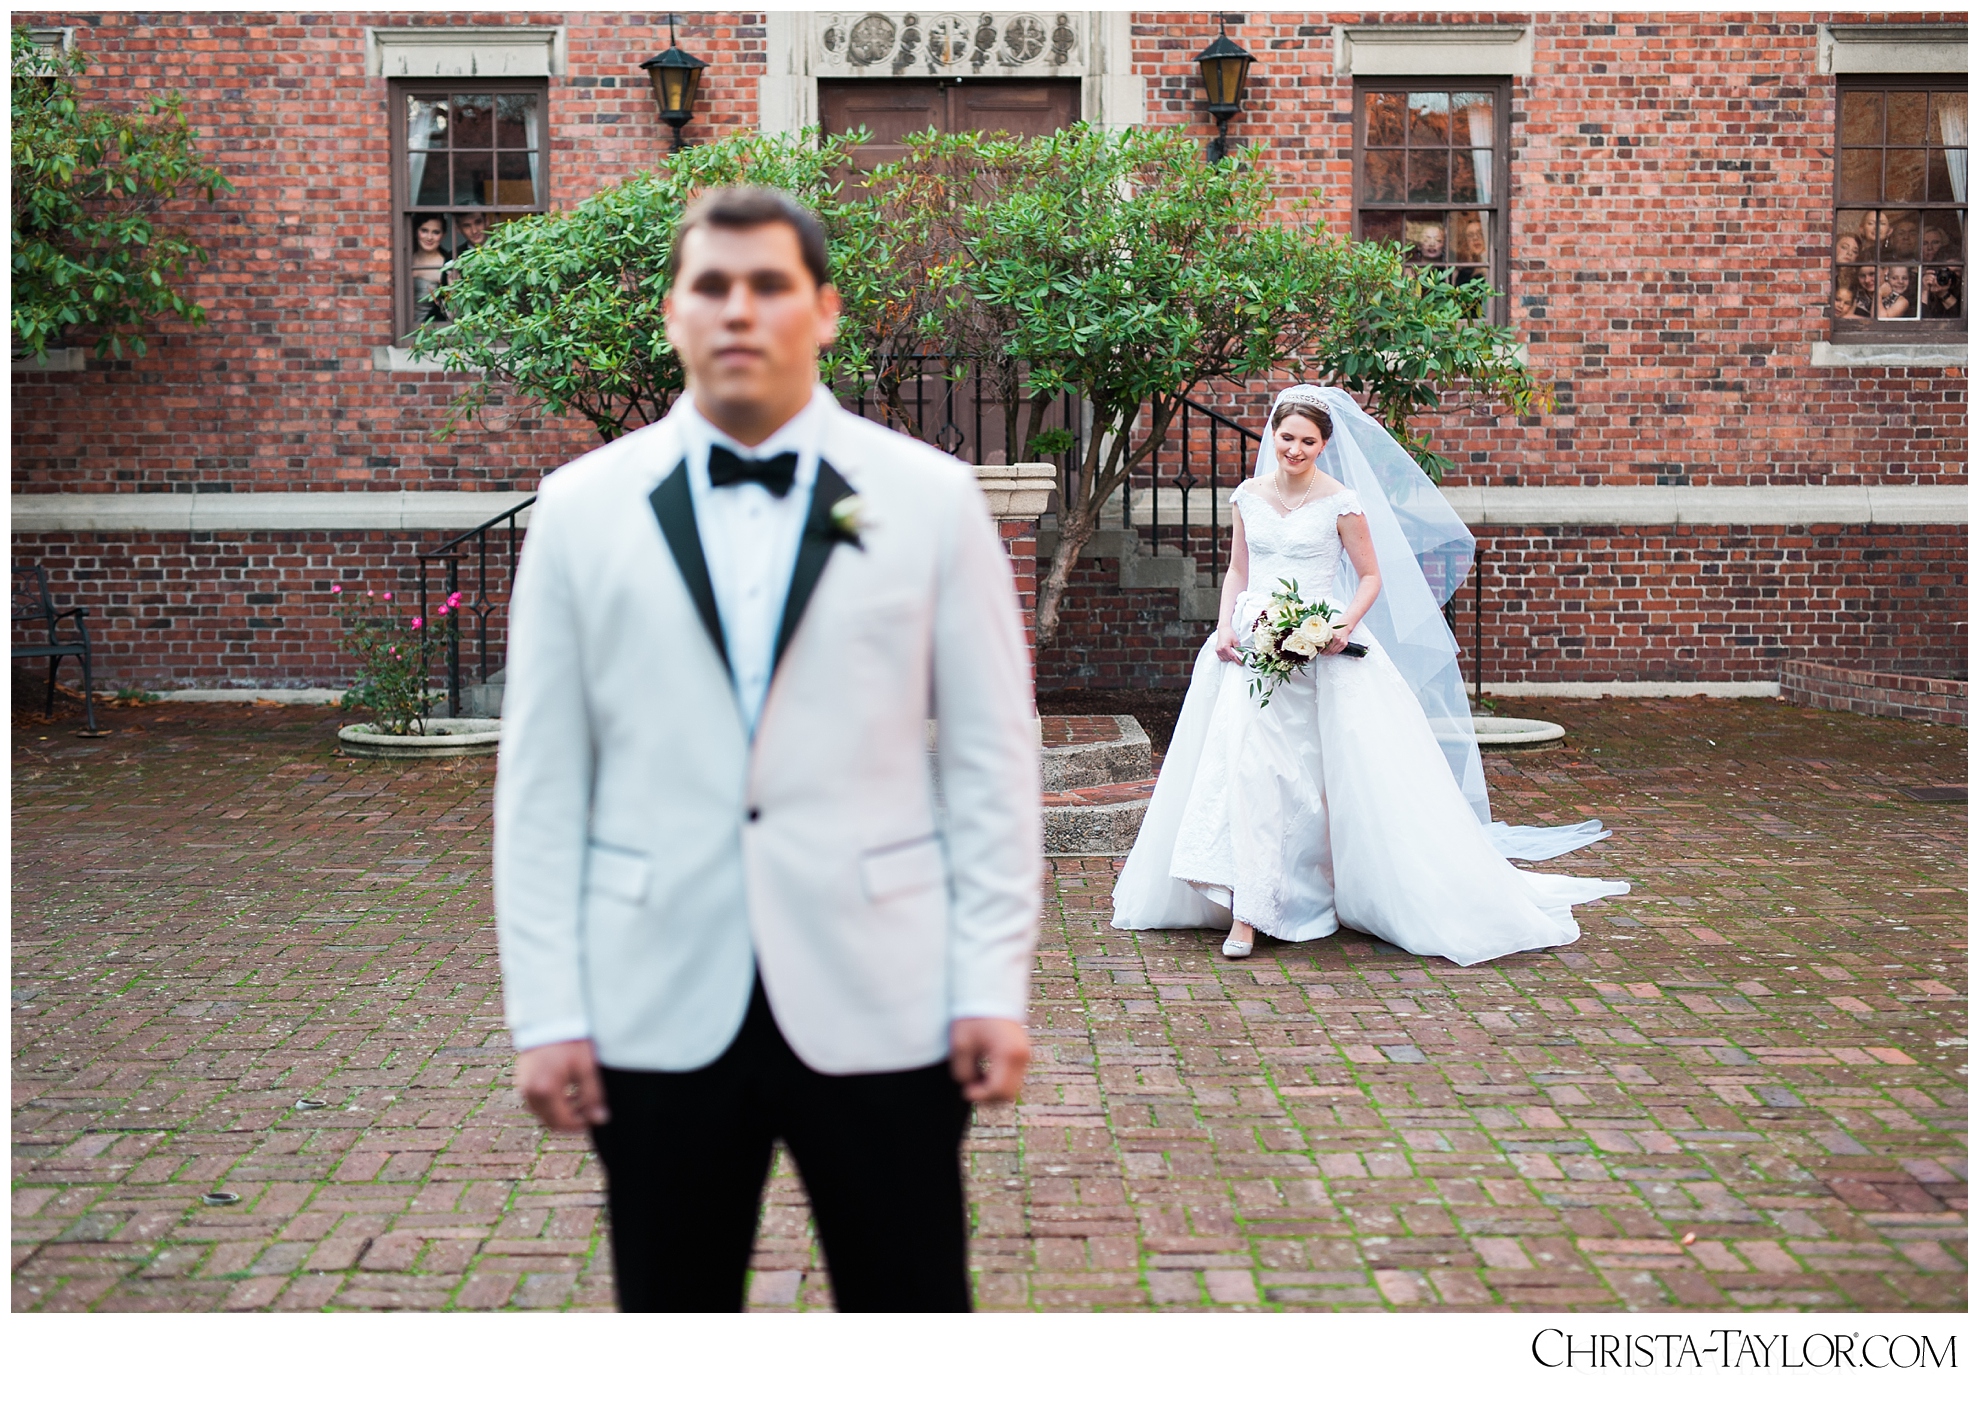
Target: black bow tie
775,475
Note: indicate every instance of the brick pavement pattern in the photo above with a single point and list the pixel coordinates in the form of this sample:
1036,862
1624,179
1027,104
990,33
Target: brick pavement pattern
1743,1088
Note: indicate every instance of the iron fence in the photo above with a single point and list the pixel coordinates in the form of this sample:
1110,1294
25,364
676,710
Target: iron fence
953,403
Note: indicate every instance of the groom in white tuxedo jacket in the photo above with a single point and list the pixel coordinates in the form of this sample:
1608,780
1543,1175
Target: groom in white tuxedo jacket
739,899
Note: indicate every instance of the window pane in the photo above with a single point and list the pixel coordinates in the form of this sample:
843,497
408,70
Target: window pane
1899,236
1383,227
1944,292
1862,176
1903,177
474,121
1384,118
1473,124
474,171
1427,242
1906,118
1429,177
1862,119
1947,124
1865,288
426,123
516,170
426,176
470,231
429,256
1848,302
1896,295
1429,119
515,121
1942,240
1470,238
1470,177
1850,247
1938,184
1384,177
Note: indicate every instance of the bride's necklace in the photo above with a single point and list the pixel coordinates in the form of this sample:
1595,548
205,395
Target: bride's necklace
1279,490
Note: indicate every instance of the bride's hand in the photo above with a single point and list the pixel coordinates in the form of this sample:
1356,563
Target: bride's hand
1226,645
1338,645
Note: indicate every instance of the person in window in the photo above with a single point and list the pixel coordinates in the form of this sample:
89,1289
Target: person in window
1942,296
1931,243
1894,300
1865,285
1844,305
429,263
1848,249
1425,243
471,231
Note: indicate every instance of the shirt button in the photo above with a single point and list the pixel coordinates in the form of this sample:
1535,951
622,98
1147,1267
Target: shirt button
754,814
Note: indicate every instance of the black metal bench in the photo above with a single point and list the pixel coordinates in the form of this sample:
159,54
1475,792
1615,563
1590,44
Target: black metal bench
34,608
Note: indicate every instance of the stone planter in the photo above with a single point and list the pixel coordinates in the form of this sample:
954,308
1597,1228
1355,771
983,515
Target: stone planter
1510,730
443,738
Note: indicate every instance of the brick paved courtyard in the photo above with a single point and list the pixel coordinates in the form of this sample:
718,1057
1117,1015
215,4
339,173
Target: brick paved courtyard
1742,1089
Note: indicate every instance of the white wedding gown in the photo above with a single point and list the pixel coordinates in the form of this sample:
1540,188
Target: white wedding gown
1334,804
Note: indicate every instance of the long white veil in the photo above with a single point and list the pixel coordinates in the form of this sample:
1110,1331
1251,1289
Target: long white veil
1425,553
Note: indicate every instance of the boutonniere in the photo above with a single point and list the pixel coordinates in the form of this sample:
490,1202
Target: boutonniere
848,520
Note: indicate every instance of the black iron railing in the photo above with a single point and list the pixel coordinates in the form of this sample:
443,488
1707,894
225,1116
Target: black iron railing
951,402
954,402
478,604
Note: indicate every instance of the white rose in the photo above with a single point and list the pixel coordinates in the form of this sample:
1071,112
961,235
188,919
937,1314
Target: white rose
1317,631
1299,645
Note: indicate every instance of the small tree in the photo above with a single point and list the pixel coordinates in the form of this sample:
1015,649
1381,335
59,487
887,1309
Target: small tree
88,186
1413,340
565,307
1136,272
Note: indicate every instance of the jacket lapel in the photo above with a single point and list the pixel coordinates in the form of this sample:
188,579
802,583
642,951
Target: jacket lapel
673,505
820,535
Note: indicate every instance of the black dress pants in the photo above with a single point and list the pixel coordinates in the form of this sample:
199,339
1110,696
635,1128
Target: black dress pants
686,1154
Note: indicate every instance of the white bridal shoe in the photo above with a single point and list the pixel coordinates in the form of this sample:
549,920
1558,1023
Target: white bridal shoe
1233,950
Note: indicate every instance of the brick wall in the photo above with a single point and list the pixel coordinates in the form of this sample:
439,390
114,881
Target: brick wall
277,392
1613,603
1938,700
226,608
1669,195
1671,179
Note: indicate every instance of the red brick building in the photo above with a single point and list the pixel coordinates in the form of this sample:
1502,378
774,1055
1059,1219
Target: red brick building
1740,467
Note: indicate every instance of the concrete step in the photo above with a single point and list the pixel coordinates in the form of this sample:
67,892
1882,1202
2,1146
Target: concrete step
1084,752
1142,567
1098,774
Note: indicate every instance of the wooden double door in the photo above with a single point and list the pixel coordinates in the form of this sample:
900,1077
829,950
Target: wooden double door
891,108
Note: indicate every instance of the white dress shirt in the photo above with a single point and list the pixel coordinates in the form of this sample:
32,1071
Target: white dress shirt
750,540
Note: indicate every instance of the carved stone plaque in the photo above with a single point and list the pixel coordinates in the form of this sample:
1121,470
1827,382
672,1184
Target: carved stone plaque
971,43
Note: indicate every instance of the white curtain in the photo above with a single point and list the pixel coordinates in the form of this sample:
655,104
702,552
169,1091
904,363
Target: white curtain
1484,139
1951,129
535,148
418,131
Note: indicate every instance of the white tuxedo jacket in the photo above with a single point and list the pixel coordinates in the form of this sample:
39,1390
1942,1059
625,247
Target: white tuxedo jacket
649,858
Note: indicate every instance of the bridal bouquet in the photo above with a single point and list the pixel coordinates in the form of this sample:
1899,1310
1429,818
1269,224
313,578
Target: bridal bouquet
1286,636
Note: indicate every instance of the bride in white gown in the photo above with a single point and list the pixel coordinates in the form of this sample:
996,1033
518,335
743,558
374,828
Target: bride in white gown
1356,797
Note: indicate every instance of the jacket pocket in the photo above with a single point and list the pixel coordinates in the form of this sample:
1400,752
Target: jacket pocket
908,866
613,871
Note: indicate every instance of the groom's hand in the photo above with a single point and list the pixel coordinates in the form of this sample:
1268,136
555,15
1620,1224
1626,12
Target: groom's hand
561,1086
987,1056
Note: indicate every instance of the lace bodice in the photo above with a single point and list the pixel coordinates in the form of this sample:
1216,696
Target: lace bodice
1304,546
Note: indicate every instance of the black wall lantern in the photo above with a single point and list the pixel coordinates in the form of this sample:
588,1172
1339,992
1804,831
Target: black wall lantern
1224,67
676,77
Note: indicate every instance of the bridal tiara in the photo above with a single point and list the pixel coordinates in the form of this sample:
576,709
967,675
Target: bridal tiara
1303,394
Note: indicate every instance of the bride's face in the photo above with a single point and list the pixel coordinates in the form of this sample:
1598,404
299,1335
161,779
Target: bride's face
1299,444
